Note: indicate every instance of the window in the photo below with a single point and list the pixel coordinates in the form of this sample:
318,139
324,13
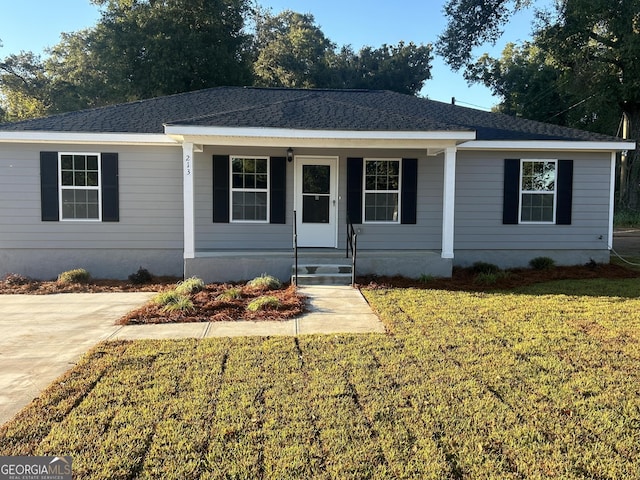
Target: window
80,186
382,191
538,191
249,189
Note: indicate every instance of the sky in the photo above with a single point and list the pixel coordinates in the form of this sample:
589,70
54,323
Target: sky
34,25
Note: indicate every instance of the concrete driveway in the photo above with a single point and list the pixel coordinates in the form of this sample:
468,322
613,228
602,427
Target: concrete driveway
44,335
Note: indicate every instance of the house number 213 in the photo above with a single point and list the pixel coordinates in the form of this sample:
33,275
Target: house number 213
187,164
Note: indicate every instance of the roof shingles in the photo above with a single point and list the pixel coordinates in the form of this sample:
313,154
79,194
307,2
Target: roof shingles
351,110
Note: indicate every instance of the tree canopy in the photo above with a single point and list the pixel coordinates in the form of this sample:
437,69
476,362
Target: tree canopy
147,48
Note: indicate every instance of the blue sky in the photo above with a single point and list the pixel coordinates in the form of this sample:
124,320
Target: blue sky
36,24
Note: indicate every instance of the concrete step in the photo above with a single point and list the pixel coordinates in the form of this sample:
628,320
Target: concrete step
322,274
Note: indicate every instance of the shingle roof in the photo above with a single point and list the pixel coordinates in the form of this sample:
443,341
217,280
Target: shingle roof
354,110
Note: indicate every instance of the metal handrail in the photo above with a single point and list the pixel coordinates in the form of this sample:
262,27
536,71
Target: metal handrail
352,246
295,248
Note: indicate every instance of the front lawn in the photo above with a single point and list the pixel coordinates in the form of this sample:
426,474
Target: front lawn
467,385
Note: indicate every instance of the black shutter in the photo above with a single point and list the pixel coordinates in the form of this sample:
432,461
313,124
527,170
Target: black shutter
49,186
409,190
354,189
511,200
110,196
221,189
278,190
564,191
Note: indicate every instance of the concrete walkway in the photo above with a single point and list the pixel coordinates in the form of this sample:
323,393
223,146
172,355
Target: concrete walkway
44,335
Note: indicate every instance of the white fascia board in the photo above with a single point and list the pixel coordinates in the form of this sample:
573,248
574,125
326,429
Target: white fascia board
285,133
80,138
587,146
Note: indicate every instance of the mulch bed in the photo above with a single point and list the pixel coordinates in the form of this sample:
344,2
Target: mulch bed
210,307
465,279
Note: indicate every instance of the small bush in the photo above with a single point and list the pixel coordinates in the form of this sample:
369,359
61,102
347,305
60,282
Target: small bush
490,278
190,285
264,303
265,282
78,275
542,263
16,279
230,294
166,297
484,267
181,303
424,278
140,277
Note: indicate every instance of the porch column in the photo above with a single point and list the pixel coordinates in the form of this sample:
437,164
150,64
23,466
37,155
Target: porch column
448,202
188,202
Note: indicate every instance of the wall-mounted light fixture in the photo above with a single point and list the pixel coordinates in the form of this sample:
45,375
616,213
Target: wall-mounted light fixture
289,154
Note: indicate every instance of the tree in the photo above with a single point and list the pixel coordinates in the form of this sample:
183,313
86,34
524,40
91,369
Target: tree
401,68
138,49
24,88
292,51
589,48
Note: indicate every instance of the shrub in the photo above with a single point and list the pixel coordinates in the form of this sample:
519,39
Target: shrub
230,294
140,277
265,282
484,267
180,303
542,263
190,285
16,279
77,275
166,297
424,278
486,278
263,303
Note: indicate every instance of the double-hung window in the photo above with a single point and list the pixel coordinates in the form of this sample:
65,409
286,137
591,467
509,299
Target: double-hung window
80,196
538,191
382,191
249,189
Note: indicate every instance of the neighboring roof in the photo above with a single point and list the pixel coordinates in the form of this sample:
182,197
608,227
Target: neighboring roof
300,109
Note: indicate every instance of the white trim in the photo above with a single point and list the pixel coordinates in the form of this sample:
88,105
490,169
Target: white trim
97,188
267,190
538,192
612,200
397,221
449,203
79,138
332,161
288,133
188,200
547,145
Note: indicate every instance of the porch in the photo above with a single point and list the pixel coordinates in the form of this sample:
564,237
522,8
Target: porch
232,265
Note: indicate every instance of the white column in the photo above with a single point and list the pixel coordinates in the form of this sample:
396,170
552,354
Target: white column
448,202
188,202
612,199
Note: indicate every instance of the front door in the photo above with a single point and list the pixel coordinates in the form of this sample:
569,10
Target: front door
315,201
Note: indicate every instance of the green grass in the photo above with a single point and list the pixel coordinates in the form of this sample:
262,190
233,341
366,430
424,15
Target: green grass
540,383
626,218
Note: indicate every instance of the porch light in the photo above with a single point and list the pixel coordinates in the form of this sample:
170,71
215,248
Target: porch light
289,154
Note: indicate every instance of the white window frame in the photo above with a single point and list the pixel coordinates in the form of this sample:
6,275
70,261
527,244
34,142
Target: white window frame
232,190
365,191
61,187
534,192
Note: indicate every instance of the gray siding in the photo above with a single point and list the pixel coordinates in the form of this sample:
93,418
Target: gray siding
426,234
150,194
478,215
